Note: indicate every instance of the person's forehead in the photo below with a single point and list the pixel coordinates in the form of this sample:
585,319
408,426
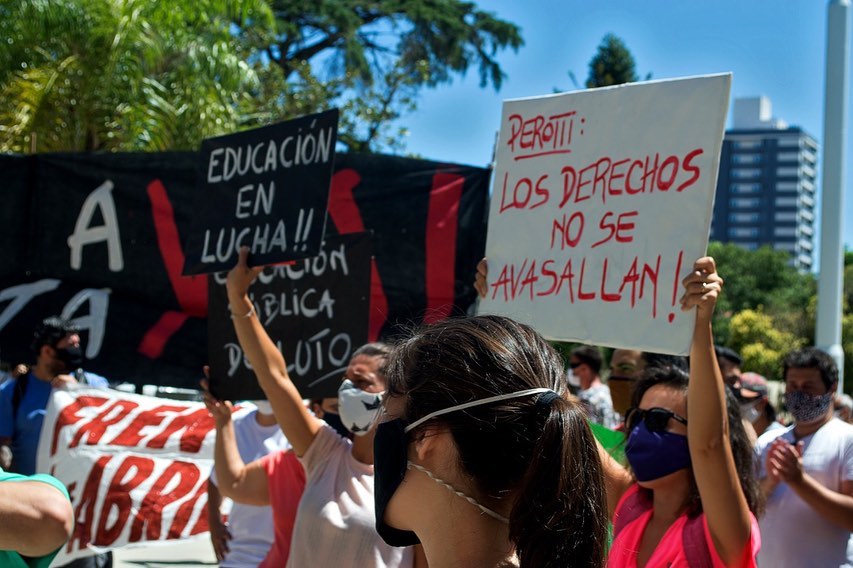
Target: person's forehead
363,365
70,338
662,396
803,375
626,357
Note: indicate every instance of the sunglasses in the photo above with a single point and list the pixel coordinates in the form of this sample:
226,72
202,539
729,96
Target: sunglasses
656,419
575,364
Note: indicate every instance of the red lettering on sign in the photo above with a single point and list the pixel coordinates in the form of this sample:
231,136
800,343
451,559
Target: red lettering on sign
118,497
195,426
440,260
149,518
184,512
84,512
94,429
689,167
131,436
190,291
68,416
345,214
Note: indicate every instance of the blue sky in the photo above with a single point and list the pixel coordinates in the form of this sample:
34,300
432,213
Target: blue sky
773,48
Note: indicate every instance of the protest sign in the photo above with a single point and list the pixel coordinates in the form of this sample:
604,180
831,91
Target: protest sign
601,201
267,189
315,310
110,258
136,467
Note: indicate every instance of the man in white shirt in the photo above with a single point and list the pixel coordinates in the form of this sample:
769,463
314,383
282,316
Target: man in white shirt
807,472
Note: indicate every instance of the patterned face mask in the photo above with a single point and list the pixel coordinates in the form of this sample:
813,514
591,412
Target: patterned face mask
805,407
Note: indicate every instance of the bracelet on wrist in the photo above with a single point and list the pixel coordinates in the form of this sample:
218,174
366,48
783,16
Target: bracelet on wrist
249,314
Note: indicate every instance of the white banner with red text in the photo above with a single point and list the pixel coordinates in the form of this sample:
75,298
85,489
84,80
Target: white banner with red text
136,467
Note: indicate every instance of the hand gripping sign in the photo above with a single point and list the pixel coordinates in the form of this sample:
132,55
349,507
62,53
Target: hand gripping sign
601,200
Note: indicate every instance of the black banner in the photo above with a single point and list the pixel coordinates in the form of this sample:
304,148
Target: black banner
316,309
265,188
99,237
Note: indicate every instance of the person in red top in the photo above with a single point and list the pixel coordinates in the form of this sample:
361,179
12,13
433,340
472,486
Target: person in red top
276,479
691,496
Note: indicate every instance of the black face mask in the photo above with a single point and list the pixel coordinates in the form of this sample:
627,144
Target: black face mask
390,459
334,420
72,357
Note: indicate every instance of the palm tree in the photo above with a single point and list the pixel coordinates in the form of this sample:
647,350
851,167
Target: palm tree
125,74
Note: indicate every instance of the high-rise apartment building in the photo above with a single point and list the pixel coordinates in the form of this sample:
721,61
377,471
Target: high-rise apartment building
766,185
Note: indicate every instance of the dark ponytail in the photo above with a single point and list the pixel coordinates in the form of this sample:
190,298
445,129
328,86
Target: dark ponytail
559,517
532,458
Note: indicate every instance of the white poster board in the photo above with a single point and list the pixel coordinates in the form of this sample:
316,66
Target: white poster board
601,202
136,467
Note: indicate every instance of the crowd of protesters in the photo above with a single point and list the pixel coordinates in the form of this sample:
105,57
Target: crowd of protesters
468,444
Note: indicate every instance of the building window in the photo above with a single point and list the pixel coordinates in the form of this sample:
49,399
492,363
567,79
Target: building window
789,142
786,201
749,245
788,157
786,186
787,172
785,216
807,185
744,217
785,232
744,202
747,144
743,188
789,247
746,159
745,173
743,232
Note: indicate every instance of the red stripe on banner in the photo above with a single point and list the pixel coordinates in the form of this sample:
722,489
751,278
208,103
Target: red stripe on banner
191,291
155,339
344,212
441,228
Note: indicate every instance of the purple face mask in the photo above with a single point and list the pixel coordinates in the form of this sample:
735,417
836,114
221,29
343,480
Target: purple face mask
653,455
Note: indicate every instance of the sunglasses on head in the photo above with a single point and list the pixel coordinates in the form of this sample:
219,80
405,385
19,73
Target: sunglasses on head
656,419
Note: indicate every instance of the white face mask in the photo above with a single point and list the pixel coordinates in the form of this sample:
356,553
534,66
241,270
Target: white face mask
358,409
264,406
573,379
751,413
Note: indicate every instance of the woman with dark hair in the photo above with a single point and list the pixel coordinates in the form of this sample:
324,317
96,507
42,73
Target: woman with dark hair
335,523
481,457
691,497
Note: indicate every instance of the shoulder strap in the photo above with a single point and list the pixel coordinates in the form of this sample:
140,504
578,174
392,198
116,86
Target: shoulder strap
633,504
695,545
18,393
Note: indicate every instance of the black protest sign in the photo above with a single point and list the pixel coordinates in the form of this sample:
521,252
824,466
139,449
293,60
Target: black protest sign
267,189
315,310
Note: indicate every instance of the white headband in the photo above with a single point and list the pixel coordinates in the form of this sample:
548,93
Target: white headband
478,402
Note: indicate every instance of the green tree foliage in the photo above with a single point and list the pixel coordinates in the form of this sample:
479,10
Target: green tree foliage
143,75
612,64
761,344
122,75
763,279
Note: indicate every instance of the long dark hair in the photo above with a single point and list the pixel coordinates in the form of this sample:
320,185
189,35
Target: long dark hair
742,449
541,457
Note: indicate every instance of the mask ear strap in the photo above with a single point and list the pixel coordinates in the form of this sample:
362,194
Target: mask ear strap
478,402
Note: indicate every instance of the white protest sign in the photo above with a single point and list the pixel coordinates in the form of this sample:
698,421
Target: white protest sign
601,201
136,467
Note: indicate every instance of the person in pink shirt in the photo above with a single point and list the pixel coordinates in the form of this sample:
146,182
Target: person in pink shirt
691,496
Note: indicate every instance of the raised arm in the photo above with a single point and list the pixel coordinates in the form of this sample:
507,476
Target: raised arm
243,483
296,421
723,499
